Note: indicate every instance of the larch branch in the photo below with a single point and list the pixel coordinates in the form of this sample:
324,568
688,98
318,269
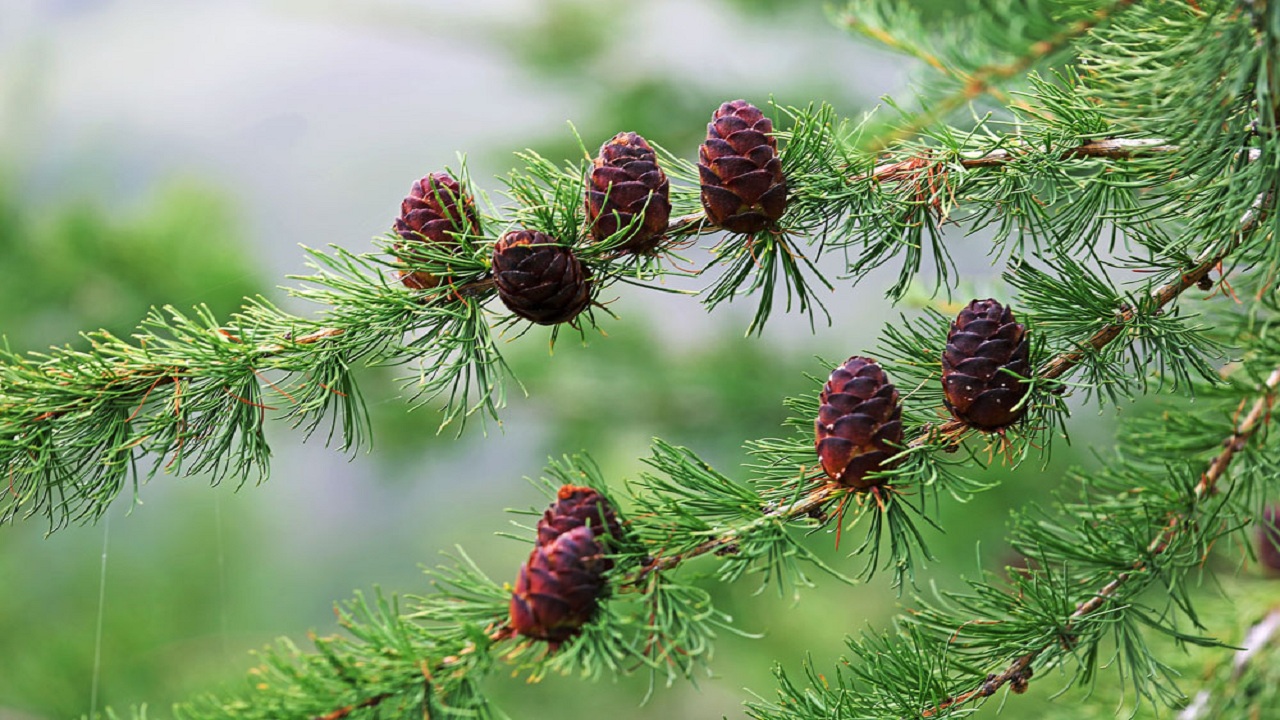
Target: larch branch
1018,673
1020,669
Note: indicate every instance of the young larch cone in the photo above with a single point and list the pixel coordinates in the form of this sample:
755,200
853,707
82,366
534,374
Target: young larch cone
436,206
982,368
743,189
559,587
539,279
625,182
859,424
577,506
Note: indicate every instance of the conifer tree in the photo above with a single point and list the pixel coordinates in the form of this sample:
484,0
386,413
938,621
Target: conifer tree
1122,158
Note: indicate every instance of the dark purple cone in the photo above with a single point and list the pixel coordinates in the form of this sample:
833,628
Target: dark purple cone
429,214
538,279
859,423
984,342
743,189
624,182
558,588
577,506
1269,539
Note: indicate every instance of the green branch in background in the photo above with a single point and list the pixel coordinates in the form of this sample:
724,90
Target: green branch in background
1246,686
1170,537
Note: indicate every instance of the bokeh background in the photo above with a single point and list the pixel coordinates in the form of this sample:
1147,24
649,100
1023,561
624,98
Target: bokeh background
178,152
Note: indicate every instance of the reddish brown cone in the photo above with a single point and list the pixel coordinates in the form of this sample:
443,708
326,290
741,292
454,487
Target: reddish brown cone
577,506
987,355
625,182
539,279
859,423
743,189
558,588
436,206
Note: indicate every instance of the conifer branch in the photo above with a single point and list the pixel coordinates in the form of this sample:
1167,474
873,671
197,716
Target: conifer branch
1019,672
1198,176
1055,368
984,79
1062,363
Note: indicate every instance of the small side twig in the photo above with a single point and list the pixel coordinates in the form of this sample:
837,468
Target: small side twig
346,710
811,502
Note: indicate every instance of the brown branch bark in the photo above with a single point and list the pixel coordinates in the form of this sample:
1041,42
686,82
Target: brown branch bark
346,710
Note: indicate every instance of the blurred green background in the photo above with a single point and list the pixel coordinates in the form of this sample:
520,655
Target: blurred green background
177,154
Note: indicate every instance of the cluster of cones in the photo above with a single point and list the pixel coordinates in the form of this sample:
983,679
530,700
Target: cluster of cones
984,370
559,587
627,199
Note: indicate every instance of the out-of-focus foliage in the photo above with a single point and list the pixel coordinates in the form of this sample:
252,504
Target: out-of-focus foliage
584,47
1221,682
75,265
